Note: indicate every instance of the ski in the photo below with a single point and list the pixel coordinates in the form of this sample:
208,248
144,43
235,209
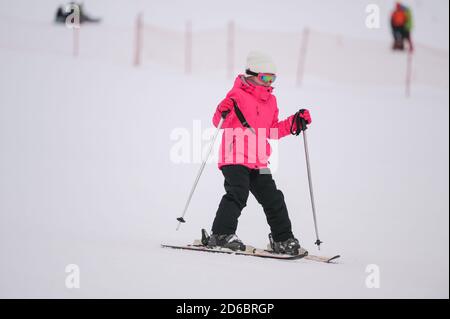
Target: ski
251,251
323,259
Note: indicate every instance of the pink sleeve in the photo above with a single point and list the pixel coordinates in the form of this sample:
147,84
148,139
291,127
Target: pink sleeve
280,129
218,115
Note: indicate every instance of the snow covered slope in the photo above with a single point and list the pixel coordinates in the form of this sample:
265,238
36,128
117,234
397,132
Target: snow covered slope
86,176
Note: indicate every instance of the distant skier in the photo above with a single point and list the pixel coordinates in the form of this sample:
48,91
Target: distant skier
252,119
402,25
63,12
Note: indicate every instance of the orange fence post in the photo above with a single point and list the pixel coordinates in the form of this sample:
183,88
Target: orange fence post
138,40
409,74
302,56
188,48
76,41
230,49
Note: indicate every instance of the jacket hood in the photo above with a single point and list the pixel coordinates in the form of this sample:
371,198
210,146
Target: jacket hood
261,92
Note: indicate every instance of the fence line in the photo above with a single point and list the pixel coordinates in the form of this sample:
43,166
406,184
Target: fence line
299,55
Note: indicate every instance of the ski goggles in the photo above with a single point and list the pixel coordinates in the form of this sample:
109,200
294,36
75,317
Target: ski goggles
264,77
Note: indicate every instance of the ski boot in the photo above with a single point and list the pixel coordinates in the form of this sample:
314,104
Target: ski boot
225,241
290,246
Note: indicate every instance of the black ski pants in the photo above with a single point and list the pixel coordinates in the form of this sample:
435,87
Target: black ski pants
239,182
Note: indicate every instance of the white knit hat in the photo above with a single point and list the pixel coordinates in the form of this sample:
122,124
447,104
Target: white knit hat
259,62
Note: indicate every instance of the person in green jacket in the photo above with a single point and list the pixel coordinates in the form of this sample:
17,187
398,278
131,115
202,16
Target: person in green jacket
402,26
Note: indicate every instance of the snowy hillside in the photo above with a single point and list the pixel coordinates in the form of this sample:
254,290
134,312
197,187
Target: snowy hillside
87,177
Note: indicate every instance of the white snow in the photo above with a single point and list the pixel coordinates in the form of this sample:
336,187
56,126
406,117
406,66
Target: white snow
86,176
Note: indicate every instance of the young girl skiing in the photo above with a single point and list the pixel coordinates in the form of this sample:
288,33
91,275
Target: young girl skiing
251,117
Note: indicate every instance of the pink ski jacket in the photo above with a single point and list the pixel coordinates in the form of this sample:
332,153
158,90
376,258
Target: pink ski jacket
250,146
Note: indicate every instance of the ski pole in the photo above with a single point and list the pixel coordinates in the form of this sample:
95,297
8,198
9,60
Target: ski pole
301,121
219,126
311,192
